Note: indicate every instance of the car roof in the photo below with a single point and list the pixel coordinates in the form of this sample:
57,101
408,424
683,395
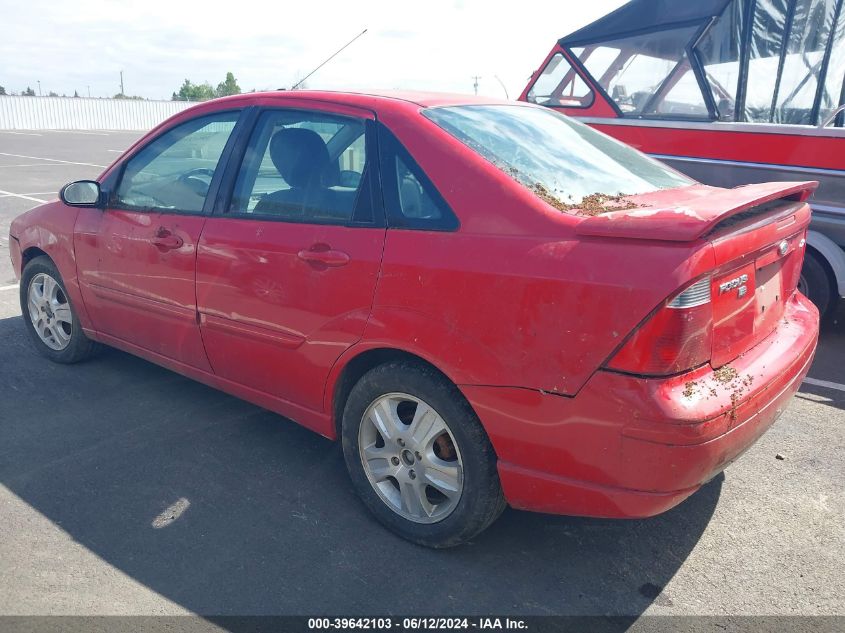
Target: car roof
374,98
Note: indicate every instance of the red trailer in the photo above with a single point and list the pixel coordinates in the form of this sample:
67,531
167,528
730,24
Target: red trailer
729,92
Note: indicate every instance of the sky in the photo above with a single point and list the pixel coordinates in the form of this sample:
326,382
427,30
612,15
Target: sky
434,45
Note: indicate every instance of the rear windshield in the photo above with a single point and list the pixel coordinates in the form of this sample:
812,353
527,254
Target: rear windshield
554,155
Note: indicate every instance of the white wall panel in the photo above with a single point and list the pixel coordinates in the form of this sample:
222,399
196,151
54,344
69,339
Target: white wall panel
69,113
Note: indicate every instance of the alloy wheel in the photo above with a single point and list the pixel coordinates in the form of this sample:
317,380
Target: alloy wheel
49,312
411,458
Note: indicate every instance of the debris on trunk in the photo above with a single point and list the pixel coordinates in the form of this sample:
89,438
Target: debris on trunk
690,389
594,204
780,456
598,203
725,374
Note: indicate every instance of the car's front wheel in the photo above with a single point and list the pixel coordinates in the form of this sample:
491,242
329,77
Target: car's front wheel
418,456
49,316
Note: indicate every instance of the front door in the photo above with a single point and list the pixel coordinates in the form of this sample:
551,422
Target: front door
286,273
141,288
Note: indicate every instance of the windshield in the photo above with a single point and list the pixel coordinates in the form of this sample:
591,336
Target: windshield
554,155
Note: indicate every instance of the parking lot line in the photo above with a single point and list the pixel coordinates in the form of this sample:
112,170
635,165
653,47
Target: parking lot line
20,195
78,132
31,165
52,160
12,287
824,383
20,133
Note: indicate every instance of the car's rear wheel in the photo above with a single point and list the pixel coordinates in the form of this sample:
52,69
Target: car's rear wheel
418,456
816,284
49,316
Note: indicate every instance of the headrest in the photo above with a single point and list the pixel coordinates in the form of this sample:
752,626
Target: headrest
301,156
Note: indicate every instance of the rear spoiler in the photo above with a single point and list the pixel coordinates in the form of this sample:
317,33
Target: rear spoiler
690,216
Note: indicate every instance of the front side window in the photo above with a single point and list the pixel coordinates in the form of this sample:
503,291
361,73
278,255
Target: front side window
302,166
174,172
560,85
632,69
552,154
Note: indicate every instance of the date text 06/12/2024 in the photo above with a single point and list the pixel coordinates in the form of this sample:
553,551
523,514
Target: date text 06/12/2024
417,624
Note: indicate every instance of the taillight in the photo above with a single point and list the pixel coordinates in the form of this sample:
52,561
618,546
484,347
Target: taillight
677,337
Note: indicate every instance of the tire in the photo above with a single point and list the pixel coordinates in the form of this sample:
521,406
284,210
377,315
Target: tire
62,339
816,284
429,433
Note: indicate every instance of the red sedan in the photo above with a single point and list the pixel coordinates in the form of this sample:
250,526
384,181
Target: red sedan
487,302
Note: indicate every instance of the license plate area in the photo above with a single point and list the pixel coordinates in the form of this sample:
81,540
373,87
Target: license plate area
734,299
770,297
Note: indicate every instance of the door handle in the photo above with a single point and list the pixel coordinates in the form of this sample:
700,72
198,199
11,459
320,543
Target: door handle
325,256
165,240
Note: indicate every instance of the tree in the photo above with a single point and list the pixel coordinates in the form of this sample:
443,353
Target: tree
29,92
228,87
52,94
75,94
194,92
120,95
2,90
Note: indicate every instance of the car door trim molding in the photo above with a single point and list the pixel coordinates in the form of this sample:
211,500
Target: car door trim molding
144,303
247,330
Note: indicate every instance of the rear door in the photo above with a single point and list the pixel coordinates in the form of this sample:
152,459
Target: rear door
287,266
138,262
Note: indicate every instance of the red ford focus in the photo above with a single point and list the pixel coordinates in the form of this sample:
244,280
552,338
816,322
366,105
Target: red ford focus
488,303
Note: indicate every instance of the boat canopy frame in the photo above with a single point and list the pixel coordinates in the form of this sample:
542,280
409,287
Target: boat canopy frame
640,18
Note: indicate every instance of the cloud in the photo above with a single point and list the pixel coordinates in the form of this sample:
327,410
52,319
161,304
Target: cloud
159,43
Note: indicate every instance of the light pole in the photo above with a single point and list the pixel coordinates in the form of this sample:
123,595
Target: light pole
39,87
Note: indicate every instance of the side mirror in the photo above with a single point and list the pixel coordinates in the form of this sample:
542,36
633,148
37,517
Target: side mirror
349,179
82,193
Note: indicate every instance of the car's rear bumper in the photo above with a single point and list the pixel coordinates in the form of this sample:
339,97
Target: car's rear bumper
629,447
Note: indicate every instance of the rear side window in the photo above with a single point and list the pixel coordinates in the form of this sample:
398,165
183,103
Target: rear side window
303,166
411,199
174,172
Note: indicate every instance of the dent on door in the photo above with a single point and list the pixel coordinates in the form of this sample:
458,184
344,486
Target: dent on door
280,302
141,288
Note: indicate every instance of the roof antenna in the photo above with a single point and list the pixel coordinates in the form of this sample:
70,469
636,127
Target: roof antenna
335,54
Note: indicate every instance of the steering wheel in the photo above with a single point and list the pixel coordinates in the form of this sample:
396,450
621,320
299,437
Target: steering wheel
192,179
205,171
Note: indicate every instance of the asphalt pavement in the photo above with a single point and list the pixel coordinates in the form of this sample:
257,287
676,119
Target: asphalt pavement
128,489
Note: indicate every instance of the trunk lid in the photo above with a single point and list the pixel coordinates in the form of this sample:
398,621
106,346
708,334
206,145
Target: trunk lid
757,233
758,263
686,214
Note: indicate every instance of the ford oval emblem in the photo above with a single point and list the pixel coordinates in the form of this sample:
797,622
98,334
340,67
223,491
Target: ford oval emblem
784,246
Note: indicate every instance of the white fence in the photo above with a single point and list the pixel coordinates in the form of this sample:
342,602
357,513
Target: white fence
74,113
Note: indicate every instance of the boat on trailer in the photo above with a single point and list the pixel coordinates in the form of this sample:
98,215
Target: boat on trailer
729,92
